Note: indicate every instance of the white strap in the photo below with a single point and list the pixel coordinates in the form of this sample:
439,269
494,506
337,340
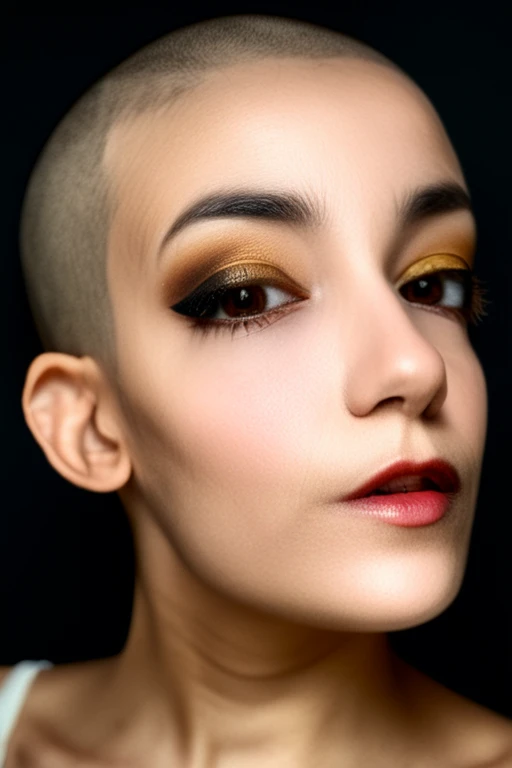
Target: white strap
12,697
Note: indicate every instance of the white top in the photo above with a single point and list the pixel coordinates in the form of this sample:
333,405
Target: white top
13,694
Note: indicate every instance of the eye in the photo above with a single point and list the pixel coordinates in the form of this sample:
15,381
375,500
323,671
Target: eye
451,290
248,295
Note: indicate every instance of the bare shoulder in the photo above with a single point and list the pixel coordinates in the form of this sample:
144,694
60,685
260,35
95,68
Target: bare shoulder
477,737
464,733
39,738
481,736
4,671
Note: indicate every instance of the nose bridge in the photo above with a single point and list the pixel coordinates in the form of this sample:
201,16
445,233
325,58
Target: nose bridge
388,358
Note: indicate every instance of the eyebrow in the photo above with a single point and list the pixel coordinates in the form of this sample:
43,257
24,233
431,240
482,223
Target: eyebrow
294,208
286,207
433,200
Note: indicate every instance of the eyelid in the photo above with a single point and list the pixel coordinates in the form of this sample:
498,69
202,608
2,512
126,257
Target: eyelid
250,270
430,264
242,272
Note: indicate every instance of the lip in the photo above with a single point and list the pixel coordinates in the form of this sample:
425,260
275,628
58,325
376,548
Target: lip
410,509
440,472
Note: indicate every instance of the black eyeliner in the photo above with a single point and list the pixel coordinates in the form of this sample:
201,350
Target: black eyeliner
203,300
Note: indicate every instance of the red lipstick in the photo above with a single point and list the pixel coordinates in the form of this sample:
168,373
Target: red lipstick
407,493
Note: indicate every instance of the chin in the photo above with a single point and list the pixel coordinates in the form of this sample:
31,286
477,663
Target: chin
401,593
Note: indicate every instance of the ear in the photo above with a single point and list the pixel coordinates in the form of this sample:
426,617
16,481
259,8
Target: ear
70,410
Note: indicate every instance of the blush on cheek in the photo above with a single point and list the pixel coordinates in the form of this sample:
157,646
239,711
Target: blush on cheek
251,410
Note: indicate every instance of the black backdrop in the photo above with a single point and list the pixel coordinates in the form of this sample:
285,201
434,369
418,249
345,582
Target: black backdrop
66,562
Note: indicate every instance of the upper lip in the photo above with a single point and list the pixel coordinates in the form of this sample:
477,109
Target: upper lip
441,472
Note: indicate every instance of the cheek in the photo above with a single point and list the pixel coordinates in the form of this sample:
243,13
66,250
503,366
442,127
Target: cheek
233,427
467,406
240,412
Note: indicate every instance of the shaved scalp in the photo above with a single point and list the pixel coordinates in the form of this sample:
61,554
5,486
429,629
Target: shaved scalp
69,201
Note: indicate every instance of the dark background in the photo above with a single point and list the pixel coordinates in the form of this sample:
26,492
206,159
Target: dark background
66,561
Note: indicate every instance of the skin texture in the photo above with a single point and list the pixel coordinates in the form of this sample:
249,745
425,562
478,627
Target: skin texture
261,602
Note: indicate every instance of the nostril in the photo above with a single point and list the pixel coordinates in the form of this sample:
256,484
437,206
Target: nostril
391,400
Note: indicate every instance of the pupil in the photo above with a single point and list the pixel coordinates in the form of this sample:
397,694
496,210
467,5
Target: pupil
429,288
244,300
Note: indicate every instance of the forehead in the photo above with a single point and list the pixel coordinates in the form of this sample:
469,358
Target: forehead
351,132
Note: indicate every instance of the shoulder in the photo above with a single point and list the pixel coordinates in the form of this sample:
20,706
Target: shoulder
4,671
464,734
475,736
491,736
41,737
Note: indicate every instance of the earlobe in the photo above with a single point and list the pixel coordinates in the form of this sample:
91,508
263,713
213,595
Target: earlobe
70,416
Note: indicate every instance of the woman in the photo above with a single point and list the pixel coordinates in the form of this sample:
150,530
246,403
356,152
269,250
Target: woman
249,255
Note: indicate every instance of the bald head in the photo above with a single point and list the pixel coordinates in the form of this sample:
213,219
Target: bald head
70,199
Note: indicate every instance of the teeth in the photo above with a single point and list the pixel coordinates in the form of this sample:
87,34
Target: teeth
405,484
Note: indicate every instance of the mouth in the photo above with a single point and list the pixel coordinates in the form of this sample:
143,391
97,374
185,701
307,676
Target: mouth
410,477
407,494
406,484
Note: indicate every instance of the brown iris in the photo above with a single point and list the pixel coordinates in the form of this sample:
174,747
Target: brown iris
426,290
424,281
249,300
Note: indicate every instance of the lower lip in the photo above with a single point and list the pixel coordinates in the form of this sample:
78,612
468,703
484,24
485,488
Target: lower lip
412,509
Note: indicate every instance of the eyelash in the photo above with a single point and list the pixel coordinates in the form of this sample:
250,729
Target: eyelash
474,301
472,312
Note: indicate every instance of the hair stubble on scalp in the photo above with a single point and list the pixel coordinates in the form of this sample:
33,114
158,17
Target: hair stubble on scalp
70,201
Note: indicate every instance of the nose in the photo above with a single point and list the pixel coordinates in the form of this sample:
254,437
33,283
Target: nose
391,360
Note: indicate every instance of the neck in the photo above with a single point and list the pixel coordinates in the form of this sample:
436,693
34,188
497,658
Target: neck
213,678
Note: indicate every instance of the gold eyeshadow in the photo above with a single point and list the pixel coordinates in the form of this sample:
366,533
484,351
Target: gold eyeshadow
239,273
433,263
206,297
215,268
227,271
259,255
